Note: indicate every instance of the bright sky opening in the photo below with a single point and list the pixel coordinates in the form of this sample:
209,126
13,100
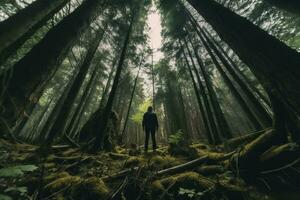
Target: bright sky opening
155,39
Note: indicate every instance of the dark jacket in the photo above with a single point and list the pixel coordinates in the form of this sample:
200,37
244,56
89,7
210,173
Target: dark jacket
150,121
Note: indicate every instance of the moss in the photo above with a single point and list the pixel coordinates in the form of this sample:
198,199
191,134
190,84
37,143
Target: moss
188,180
133,161
54,176
120,150
163,162
162,152
62,183
69,152
157,189
183,150
49,165
90,189
200,146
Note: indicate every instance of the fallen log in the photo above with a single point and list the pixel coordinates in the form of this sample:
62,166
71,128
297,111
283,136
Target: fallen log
279,156
237,141
250,153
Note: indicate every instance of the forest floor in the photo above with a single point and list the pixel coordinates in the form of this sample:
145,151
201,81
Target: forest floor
195,172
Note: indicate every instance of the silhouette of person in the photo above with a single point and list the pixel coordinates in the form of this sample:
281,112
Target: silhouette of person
150,126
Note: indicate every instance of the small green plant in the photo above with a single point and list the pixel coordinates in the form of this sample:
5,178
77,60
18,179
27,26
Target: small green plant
8,174
176,138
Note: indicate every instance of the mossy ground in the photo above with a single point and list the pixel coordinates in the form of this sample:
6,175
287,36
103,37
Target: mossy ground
68,173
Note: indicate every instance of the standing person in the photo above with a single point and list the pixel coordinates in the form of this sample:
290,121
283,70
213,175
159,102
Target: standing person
150,126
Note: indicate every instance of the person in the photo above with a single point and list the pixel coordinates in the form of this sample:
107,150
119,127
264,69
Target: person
150,126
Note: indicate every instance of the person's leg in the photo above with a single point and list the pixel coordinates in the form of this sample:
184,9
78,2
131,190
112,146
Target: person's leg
153,139
147,131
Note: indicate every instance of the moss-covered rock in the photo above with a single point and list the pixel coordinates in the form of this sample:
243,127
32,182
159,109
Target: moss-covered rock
164,161
133,161
90,189
61,183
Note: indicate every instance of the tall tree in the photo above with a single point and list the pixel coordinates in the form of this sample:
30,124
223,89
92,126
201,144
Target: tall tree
62,119
99,142
15,30
130,101
274,63
223,127
258,111
48,54
210,124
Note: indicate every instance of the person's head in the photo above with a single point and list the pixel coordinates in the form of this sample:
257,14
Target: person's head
150,109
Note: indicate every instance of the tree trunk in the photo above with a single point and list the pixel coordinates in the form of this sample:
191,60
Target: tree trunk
99,142
261,114
44,135
183,115
206,120
239,72
62,119
83,100
130,102
223,128
107,86
15,30
275,64
230,85
48,53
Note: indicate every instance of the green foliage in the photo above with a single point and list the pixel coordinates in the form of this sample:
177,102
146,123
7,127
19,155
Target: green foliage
5,197
16,171
14,192
176,138
138,116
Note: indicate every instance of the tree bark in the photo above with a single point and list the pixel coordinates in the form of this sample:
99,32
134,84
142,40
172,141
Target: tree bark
261,114
275,64
15,30
206,120
108,84
224,129
130,102
63,116
83,100
99,142
238,71
230,85
49,53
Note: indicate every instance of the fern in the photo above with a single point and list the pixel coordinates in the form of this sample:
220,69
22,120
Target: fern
176,138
